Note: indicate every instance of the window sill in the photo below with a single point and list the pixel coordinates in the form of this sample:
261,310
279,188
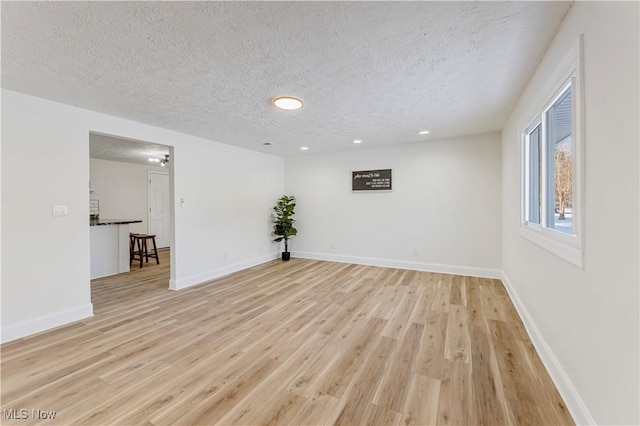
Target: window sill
572,253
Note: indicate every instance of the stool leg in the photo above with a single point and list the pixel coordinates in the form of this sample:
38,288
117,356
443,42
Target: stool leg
155,250
132,243
140,250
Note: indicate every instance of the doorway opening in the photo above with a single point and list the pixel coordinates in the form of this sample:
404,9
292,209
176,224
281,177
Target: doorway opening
130,191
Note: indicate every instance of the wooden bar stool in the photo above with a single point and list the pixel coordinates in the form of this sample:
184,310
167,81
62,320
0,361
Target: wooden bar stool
139,250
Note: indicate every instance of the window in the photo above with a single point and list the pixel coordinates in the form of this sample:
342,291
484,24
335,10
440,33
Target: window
551,168
560,170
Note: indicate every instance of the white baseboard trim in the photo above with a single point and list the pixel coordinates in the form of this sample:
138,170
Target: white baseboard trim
201,278
569,393
45,322
402,264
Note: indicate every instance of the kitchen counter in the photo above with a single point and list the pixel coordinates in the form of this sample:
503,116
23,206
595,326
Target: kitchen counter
109,246
98,222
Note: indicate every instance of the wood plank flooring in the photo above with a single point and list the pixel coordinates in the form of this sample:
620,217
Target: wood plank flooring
303,342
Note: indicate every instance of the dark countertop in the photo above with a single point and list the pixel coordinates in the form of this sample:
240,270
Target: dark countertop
98,222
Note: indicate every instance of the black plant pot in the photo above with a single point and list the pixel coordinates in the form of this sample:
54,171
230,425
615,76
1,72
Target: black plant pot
286,255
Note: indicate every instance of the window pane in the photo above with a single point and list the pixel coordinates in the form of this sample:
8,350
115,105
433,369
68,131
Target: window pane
560,165
535,164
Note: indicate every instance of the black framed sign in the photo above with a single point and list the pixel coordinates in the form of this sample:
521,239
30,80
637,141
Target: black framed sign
371,180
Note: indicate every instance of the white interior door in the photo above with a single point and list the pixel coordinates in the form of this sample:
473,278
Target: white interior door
159,208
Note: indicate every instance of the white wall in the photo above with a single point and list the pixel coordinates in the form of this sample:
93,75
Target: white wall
587,318
445,203
223,226
122,189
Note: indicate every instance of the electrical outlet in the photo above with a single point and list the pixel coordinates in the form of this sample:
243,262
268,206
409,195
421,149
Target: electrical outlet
59,211
333,246
416,252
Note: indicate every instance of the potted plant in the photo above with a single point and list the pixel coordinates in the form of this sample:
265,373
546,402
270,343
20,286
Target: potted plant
283,222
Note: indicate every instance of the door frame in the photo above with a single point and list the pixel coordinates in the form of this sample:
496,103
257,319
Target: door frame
172,197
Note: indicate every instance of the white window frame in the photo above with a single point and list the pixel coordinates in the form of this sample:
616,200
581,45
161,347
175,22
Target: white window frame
568,247
526,161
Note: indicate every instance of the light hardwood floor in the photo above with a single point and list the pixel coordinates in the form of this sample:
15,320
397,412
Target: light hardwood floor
302,342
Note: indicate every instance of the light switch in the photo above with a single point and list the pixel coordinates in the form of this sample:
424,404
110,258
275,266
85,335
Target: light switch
59,210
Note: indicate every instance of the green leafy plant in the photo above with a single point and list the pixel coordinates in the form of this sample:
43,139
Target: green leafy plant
283,220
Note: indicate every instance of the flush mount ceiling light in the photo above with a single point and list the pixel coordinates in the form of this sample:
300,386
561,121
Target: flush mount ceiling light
423,132
357,141
287,102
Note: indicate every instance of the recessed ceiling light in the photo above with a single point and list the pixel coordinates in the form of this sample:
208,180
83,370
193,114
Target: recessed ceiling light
267,143
304,148
423,132
357,141
287,102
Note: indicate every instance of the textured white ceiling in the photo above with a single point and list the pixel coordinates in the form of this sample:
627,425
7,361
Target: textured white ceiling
125,150
376,71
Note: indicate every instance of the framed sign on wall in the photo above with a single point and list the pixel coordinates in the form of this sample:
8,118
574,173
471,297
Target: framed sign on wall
371,180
